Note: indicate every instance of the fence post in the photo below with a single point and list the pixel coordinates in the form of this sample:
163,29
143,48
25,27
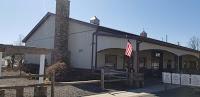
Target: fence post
41,72
102,79
52,84
2,93
1,63
131,79
40,91
19,92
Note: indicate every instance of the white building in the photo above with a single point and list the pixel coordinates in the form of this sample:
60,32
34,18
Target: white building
92,46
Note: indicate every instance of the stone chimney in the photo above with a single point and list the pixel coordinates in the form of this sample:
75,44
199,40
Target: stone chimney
61,31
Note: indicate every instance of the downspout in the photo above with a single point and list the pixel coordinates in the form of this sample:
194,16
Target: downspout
92,56
93,43
96,38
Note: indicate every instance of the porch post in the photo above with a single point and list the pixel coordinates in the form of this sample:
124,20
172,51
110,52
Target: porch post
41,72
178,64
1,63
199,61
136,75
136,57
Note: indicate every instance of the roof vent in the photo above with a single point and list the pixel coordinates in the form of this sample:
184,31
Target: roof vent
143,34
94,20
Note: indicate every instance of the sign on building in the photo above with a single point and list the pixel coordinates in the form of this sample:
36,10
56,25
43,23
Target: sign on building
185,79
181,79
166,77
195,80
176,78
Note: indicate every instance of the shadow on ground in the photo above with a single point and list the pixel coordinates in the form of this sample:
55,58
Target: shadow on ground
110,87
180,92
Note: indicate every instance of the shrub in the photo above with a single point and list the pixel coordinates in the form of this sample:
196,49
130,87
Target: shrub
60,69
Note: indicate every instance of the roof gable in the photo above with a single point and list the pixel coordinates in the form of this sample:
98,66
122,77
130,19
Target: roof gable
37,26
45,18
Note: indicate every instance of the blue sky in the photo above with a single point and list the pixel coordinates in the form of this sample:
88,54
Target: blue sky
179,19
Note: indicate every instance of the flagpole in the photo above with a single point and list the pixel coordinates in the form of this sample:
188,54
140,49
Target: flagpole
129,56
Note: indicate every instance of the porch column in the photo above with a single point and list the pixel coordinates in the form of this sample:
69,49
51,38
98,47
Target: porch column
1,63
198,62
138,78
136,58
199,59
41,72
180,63
177,63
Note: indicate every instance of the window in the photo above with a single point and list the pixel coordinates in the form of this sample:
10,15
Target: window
157,54
169,64
111,61
142,62
155,64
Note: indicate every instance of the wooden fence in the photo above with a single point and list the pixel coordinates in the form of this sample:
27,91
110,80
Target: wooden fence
39,88
113,75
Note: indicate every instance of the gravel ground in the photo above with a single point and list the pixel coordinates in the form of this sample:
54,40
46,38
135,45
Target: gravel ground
86,89
60,91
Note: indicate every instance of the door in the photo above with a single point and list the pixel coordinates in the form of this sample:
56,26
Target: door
157,63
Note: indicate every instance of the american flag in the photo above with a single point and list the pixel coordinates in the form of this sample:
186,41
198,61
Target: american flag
129,49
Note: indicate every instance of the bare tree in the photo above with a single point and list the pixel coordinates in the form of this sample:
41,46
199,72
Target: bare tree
16,59
19,40
194,43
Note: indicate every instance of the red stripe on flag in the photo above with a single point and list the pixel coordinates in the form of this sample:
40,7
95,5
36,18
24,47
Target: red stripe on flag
129,49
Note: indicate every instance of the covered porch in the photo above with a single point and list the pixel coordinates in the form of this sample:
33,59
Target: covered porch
151,62
150,57
154,59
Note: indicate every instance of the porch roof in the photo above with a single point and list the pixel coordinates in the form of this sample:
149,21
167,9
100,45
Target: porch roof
11,49
122,34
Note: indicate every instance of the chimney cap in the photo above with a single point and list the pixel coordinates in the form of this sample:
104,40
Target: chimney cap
143,33
94,20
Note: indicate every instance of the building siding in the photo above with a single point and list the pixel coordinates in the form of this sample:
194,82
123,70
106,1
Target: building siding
42,38
80,45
